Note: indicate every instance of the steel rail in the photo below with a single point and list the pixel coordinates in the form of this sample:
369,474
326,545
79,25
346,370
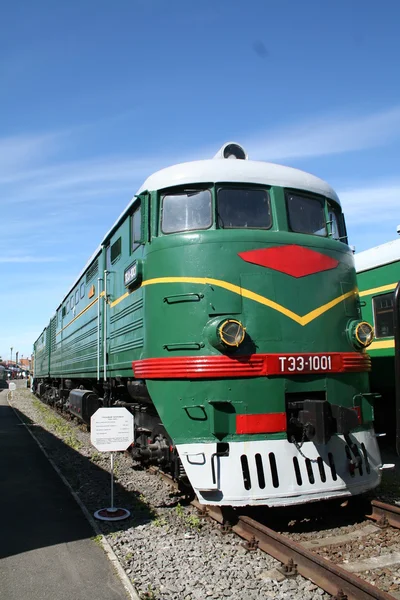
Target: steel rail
385,514
335,580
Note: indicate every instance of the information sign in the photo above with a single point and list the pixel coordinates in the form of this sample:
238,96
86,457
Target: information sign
111,429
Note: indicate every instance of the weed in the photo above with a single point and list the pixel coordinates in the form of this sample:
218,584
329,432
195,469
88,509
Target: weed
179,510
149,595
160,522
128,556
194,522
114,534
97,539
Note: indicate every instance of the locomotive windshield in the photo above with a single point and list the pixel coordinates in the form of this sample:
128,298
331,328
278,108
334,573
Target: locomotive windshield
306,214
186,211
243,209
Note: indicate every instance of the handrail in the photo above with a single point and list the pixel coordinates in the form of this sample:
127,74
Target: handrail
105,326
98,327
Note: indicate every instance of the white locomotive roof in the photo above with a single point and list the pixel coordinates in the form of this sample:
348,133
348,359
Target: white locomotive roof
224,170
377,256
237,171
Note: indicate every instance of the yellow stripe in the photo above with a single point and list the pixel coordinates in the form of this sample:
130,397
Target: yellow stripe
381,345
80,314
236,290
256,297
118,300
383,288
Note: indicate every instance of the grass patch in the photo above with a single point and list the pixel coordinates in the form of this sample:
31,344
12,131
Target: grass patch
57,425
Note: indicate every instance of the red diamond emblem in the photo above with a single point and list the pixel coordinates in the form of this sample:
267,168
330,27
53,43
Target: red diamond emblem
293,260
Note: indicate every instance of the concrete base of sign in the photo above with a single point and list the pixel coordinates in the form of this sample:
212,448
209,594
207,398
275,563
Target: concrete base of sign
112,514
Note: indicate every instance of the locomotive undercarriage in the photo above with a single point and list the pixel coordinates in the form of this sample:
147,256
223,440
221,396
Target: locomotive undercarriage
82,397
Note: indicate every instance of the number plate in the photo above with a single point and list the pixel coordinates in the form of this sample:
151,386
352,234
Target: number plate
308,363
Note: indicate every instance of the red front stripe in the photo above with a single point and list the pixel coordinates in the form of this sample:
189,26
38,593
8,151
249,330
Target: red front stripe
269,423
252,365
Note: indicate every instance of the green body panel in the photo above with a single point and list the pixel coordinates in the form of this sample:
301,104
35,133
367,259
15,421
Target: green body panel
189,406
172,318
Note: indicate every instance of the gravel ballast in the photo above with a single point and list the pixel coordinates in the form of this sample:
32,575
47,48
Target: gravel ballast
166,550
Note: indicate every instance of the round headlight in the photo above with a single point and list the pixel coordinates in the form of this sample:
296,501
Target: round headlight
231,332
364,333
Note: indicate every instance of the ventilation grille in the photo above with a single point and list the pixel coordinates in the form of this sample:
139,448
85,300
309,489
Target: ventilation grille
53,329
92,271
262,475
305,470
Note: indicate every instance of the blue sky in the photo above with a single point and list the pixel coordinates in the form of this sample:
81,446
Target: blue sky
95,96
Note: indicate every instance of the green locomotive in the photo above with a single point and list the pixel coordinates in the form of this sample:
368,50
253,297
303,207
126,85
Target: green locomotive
222,310
378,275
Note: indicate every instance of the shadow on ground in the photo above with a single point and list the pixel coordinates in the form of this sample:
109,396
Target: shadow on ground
37,509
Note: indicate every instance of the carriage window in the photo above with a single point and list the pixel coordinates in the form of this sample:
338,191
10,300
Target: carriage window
186,211
76,296
116,250
136,228
383,315
244,209
306,214
82,290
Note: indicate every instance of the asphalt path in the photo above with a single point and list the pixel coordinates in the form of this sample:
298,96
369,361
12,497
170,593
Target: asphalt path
46,549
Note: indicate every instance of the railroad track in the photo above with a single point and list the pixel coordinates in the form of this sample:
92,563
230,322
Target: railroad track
299,558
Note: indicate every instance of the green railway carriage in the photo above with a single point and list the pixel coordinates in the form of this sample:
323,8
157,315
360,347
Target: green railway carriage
3,377
378,275
222,310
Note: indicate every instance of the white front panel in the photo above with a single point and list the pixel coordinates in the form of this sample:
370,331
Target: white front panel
276,473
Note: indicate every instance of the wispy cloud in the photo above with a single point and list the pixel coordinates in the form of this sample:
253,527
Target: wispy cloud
20,152
327,134
373,204
31,259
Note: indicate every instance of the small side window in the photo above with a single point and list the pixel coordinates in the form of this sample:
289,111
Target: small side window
116,250
67,305
63,312
383,315
82,290
336,220
76,296
136,228
72,302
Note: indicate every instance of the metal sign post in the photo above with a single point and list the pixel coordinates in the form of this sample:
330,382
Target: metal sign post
111,430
